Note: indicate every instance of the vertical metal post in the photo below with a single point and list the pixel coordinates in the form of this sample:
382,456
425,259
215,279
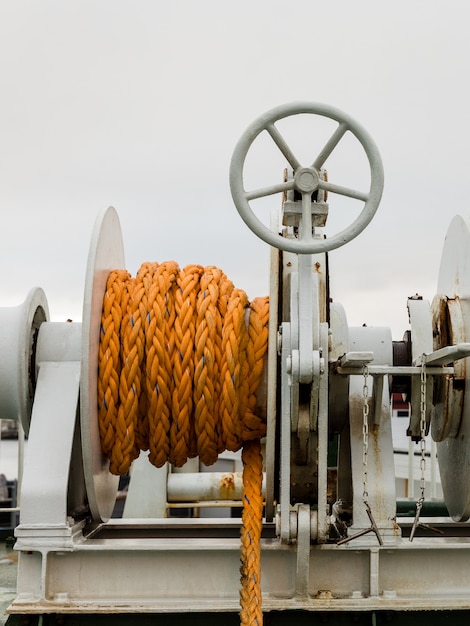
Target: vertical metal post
284,490
322,428
433,463
411,476
20,462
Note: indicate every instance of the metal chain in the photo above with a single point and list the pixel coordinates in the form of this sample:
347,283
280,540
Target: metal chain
365,449
422,427
365,432
422,445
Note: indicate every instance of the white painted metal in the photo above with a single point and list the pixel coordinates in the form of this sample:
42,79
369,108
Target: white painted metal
381,472
396,370
18,330
323,512
201,486
272,382
21,450
73,560
446,355
147,493
187,487
285,437
338,345
307,293
306,180
157,575
303,537
51,485
454,452
304,352
411,472
106,253
419,313
152,490
59,342
45,484
356,359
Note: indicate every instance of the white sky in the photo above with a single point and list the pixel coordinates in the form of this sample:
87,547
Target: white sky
139,104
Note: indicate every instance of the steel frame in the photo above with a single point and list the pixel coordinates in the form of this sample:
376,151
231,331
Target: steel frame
142,572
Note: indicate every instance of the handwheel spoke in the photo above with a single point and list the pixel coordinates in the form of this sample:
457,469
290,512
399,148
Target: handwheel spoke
282,145
330,146
343,191
269,191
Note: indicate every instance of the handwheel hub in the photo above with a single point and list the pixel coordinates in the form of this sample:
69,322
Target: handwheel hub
306,179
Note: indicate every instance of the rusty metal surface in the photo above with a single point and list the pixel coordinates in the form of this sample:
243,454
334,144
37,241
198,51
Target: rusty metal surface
448,393
454,284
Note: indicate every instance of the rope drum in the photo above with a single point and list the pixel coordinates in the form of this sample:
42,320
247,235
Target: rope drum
180,361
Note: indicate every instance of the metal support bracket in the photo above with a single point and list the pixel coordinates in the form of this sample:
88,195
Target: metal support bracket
444,356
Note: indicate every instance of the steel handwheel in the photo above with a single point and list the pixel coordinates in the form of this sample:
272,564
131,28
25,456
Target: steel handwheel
306,179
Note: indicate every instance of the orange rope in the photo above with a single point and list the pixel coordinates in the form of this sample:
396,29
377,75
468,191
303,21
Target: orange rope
250,554
109,357
207,358
159,347
180,361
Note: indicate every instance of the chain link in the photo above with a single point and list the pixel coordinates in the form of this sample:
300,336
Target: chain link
365,449
422,445
422,428
365,432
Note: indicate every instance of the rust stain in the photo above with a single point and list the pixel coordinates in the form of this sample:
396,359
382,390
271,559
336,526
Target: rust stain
228,486
396,528
227,481
375,435
440,314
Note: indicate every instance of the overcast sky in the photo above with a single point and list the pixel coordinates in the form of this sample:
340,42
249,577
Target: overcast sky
139,104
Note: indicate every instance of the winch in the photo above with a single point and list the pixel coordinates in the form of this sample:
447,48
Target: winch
180,429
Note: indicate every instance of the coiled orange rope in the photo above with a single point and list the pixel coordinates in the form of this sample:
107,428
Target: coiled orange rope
180,361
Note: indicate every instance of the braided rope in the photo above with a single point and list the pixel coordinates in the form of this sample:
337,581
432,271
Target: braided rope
159,341
256,349
234,340
225,289
206,383
109,358
250,554
180,361
181,434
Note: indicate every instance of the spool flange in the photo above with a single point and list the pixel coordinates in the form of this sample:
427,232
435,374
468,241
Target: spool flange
453,452
106,253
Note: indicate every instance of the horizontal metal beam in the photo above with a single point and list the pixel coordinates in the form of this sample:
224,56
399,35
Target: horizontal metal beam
199,574
394,370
